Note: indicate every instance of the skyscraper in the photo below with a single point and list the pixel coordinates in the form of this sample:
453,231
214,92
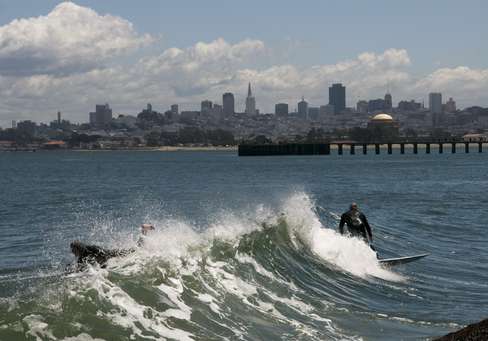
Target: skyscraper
102,116
303,108
435,102
228,104
388,102
281,109
435,107
250,102
337,97
450,105
206,106
174,109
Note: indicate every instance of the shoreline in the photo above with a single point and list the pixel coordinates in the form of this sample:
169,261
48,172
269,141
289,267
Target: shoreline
141,149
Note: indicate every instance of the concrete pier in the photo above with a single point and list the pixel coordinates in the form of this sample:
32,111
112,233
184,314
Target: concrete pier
325,148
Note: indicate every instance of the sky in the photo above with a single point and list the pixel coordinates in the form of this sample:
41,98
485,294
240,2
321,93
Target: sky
69,56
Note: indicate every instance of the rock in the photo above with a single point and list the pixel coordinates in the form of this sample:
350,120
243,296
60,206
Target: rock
473,332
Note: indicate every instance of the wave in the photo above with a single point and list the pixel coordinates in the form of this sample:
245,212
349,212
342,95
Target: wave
274,273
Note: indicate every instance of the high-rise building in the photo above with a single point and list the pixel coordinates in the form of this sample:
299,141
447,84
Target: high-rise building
59,117
303,108
388,102
281,109
376,105
14,124
435,102
409,105
325,111
228,104
174,109
313,113
217,111
206,107
435,107
450,105
362,106
250,102
337,97
102,116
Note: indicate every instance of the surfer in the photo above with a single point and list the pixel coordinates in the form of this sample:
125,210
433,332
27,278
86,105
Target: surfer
93,254
357,224
145,228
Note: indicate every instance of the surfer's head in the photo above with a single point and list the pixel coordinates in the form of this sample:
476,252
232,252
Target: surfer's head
76,247
353,206
145,228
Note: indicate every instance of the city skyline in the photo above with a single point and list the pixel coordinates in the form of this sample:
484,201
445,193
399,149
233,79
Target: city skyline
120,60
301,107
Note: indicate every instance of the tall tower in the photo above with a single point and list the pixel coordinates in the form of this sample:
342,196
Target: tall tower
435,107
228,104
435,102
388,101
250,102
337,97
303,108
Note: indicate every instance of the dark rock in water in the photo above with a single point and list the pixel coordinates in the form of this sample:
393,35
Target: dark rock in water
473,332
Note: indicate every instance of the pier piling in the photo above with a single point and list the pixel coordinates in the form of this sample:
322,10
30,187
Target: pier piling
325,148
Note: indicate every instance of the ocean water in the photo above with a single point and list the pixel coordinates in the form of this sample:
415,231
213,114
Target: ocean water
244,248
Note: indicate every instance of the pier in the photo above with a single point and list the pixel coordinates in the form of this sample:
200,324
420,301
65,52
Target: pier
341,147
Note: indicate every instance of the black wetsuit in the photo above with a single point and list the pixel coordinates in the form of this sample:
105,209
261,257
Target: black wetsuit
91,254
357,225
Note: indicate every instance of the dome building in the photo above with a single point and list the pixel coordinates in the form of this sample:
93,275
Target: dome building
383,127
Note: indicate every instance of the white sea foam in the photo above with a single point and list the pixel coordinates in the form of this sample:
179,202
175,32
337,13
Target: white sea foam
349,254
178,250
38,328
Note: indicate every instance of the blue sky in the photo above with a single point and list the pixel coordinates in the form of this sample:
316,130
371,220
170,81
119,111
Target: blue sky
436,35
446,33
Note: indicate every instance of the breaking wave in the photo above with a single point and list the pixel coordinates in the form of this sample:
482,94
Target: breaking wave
274,273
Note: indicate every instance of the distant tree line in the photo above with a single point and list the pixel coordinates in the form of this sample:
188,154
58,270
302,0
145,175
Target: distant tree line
190,135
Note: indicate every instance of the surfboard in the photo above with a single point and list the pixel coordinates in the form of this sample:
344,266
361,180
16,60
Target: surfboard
401,260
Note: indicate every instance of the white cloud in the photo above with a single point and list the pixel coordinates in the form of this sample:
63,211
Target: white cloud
64,61
69,39
446,78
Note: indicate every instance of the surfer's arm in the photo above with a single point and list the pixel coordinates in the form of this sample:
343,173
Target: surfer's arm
341,224
368,228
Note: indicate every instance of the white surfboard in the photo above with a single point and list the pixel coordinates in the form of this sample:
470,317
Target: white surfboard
401,260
